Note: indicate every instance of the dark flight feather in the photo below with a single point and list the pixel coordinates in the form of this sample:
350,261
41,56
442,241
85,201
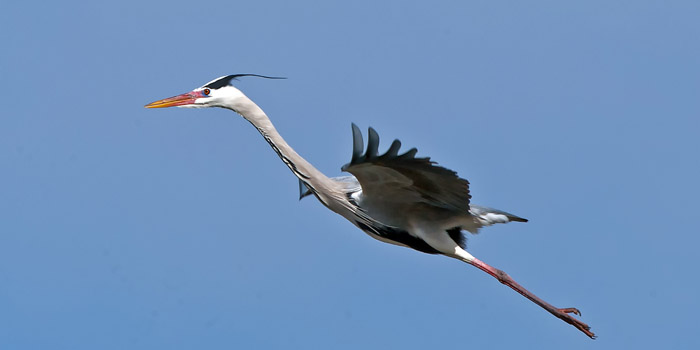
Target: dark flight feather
439,186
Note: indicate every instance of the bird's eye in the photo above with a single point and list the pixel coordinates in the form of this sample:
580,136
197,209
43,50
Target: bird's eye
206,92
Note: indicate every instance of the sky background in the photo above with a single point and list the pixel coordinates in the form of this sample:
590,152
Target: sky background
128,228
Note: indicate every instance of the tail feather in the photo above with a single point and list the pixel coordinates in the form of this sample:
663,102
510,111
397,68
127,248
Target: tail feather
486,216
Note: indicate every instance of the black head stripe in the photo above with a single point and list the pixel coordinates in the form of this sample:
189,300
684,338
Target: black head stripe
224,81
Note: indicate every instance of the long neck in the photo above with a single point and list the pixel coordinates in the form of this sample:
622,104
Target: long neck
319,183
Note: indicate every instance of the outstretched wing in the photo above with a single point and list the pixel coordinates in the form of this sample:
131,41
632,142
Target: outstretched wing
403,177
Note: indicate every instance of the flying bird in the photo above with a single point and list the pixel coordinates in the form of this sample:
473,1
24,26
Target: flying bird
395,197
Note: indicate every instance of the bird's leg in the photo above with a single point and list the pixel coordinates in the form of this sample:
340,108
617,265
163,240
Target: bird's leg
563,314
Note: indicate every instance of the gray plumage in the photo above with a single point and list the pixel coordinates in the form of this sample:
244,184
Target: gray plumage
483,216
401,180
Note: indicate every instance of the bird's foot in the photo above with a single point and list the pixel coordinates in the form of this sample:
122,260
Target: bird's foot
564,315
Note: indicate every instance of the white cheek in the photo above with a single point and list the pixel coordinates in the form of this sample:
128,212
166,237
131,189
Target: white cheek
198,103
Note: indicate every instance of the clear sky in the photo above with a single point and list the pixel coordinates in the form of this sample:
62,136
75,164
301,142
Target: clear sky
128,228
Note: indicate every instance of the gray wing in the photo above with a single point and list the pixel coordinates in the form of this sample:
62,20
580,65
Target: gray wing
403,177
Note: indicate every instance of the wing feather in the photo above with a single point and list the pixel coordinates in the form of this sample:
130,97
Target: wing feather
403,177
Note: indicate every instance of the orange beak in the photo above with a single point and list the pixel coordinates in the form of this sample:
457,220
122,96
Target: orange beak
179,100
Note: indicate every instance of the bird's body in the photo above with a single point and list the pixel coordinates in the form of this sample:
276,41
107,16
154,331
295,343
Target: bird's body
394,197
453,222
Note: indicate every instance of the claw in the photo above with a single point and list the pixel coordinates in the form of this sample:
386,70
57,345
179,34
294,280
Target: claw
571,310
575,322
564,315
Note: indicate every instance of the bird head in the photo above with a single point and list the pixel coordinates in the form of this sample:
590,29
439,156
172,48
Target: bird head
216,93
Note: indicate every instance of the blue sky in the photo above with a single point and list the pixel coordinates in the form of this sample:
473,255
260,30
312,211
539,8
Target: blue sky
128,228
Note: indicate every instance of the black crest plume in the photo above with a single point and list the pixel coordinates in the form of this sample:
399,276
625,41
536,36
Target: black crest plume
224,81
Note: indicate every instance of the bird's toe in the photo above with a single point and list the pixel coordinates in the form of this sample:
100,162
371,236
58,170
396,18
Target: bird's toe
571,310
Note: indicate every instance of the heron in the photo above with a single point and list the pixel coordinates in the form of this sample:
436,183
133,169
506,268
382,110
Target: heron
394,197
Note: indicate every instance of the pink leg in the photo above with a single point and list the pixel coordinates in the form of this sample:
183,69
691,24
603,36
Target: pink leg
563,314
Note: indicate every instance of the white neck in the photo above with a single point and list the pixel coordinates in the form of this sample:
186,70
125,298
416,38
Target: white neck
320,184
